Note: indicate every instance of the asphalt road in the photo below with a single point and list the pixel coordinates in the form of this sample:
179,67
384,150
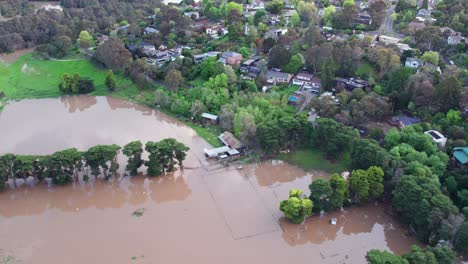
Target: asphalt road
387,26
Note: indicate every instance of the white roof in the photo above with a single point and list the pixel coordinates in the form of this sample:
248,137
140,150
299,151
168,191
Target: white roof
209,116
216,151
233,152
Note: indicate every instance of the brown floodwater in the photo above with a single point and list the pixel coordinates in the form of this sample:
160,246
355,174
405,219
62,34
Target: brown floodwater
10,58
205,214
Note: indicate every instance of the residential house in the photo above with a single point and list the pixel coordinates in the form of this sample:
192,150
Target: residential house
387,40
308,82
276,77
437,137
413,63
255,5
351,83
216,31
150,30
192,15
273,19
275,33
460,154
455,39
102,39
202,57
288,14
363,17
403,121
231,58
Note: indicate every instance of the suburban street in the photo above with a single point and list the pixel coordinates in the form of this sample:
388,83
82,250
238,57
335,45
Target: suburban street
387,26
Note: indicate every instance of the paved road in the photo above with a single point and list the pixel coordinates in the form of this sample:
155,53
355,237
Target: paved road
387,26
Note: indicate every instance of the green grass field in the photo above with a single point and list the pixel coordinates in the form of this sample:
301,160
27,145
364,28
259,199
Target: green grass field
35,78
314,159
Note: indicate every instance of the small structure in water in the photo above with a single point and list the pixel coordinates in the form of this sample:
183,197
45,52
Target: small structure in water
333,221
233,147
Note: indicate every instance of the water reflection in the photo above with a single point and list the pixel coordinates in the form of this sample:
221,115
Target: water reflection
276,171
98,194
80,102
352,221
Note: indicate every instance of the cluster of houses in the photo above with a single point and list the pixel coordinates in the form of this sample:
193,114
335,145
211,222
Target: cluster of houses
157,56
232,148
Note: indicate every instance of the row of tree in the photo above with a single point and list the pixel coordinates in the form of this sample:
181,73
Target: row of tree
327,195
65,166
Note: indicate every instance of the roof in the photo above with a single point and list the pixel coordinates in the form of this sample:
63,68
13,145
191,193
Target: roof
151,30
216,151
278,74
461,154
230,140
210,116
304,75
406,120
230,54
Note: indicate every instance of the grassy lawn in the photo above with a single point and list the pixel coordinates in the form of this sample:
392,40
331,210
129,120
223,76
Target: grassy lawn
314,159
365,69
30,78
33,78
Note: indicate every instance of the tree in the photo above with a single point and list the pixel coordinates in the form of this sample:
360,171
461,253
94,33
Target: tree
85,39
320,194
340,190
348,3
430,255
59,47
359,185
328,14
133,151
275,7
366,153
375,177
375,256
279,56
377,10
448,93
113,54
296,208
431,57
295,20
197,109
333,137
244,126
102,156
325,106
307,12
294,65
327,75
173,80
461,241
110,81
233,6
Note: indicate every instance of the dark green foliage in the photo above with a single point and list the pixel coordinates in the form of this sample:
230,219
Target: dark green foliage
375,256
102,156
366,153
320,194
133,151
461,241
110,81
76,84
164,155
333,137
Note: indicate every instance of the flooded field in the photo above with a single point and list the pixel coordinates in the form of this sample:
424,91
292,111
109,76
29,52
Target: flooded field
204,214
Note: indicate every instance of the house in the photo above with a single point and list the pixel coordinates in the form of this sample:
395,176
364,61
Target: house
229,140
275,33
455,39
308,82
209,118
255,5
403,121
102,39
352,83
460,154
431,67
413,63
437,137
363,18
231,58
288,14
250,68
275,77
202,57
402,47
150,30
192,15
216,31
387,40
273,19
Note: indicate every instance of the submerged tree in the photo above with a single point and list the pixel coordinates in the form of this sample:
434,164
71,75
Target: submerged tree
133,151
102,156
296,208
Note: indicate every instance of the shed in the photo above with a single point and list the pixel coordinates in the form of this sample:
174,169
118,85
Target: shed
231,141
213,153
209,118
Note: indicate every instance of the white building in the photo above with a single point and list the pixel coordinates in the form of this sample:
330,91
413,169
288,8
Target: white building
437,137
413,63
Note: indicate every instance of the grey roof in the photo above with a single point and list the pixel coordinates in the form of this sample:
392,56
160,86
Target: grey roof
230,54
151,30
277,74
